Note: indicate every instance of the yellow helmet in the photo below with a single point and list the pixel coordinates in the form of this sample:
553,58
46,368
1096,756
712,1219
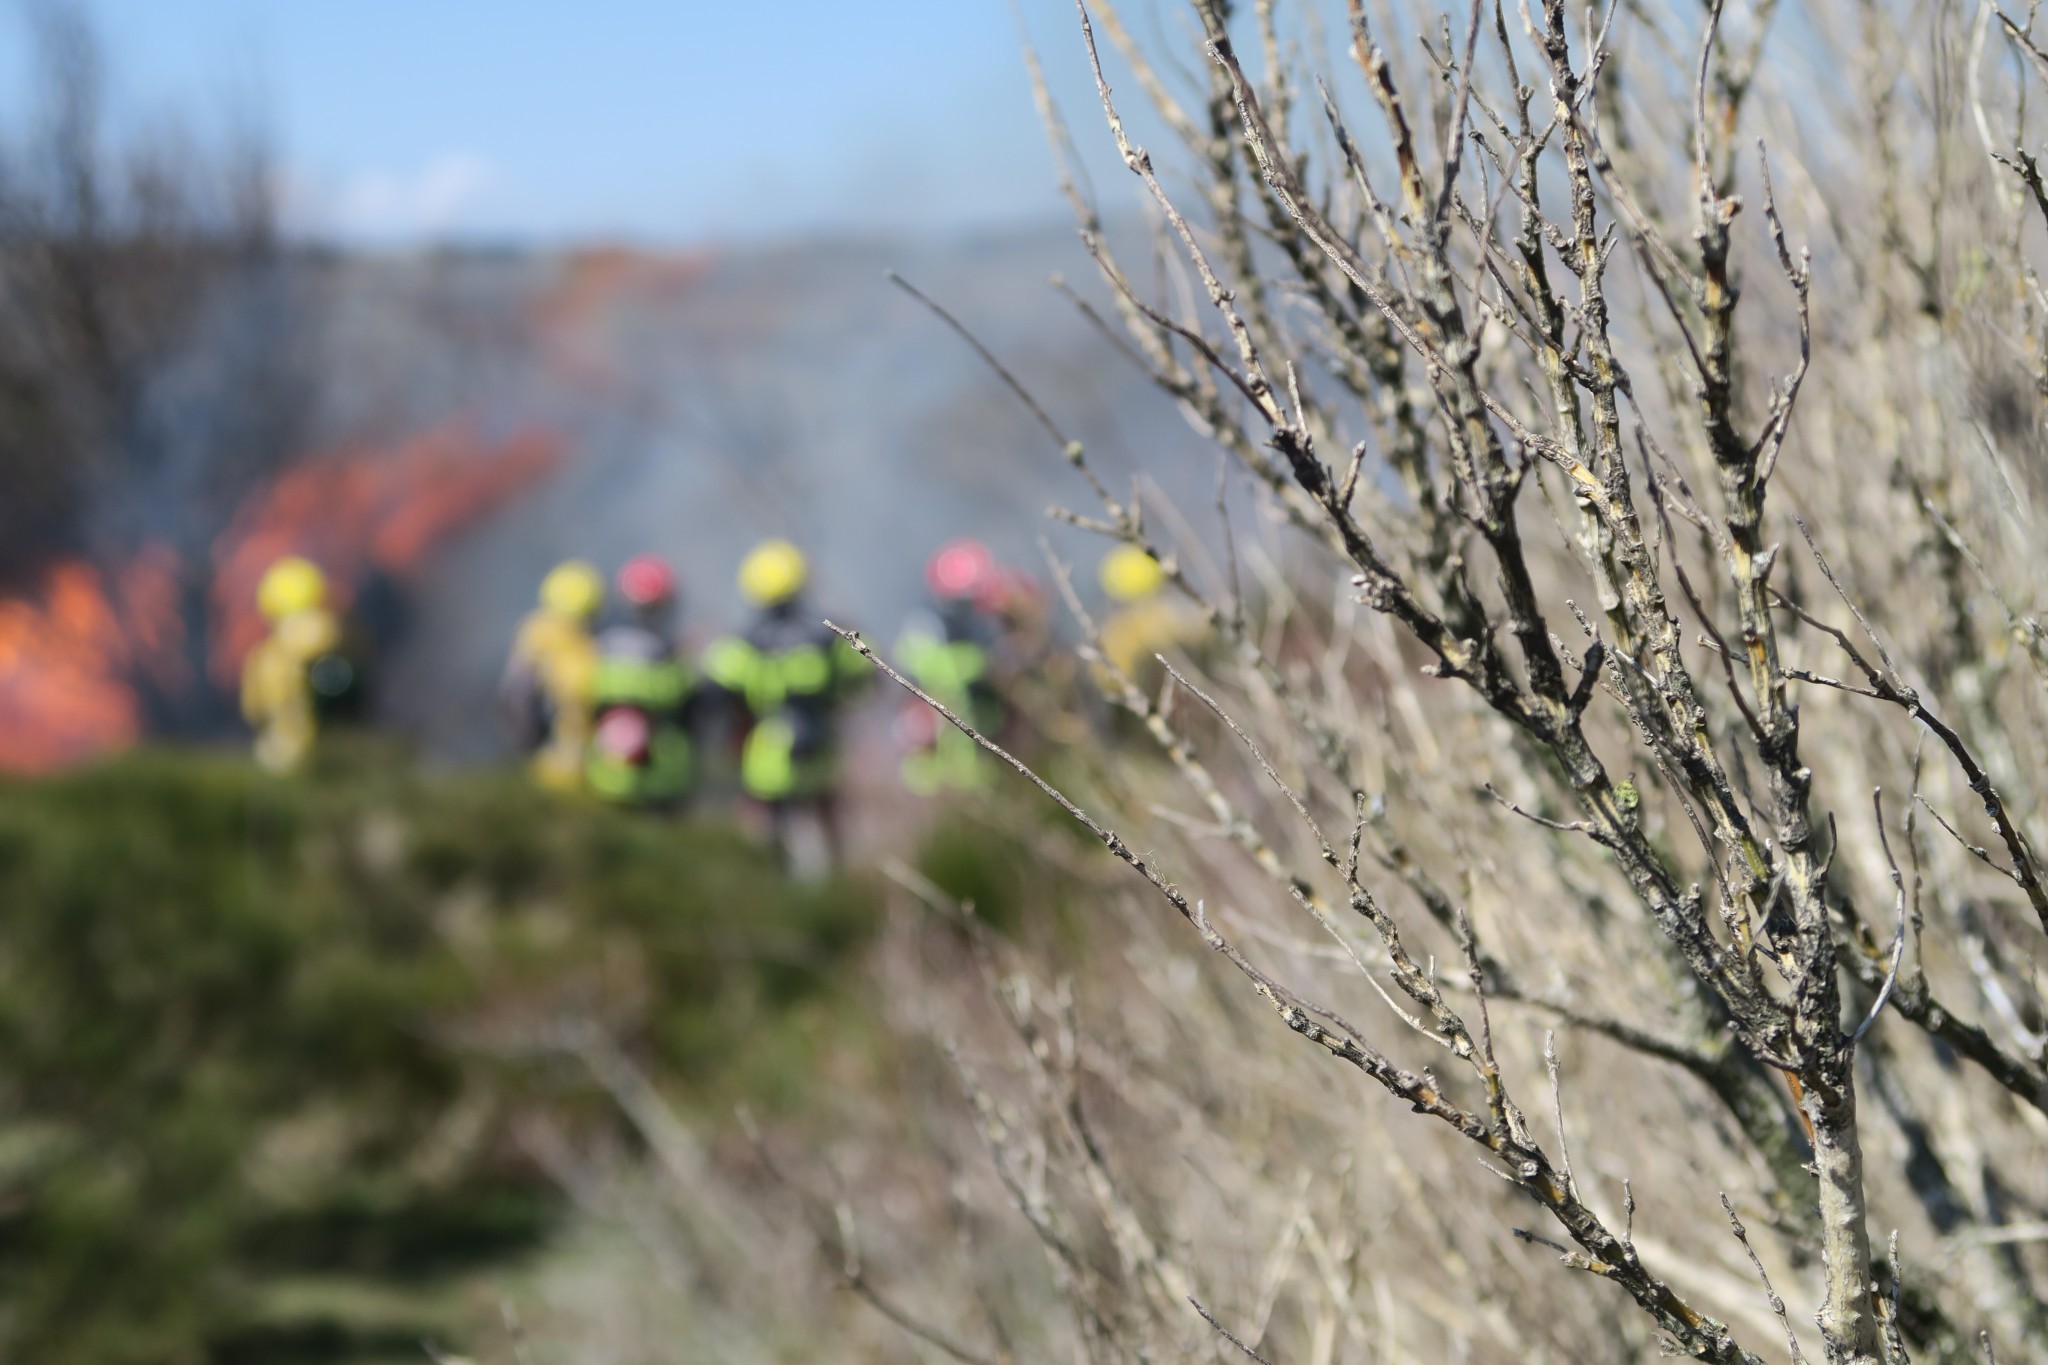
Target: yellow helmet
773,572
574,589
1131,575
290,585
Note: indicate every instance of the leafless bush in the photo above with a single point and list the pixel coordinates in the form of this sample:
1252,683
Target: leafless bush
1470,319
1633,719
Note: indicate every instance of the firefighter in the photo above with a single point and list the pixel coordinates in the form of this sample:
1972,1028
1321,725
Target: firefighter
949,649
1035,679
1013,599
789,677
1146,621
298,667
548,680
641,695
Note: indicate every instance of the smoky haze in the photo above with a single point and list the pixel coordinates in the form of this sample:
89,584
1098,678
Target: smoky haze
712,400
190,376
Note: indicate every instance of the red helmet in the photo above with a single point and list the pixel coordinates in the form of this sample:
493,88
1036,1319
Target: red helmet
647,581
960,569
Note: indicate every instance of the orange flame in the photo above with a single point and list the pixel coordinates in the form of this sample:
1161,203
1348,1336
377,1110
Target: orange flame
353,512
68,659
570,316
75,653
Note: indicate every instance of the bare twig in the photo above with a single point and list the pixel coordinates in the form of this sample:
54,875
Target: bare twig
1226,1333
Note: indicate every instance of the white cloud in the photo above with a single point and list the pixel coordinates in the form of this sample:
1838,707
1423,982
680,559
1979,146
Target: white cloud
428,201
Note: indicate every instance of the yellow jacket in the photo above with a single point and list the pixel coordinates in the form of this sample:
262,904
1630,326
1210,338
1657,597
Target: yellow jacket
277,697
557,657
1156,625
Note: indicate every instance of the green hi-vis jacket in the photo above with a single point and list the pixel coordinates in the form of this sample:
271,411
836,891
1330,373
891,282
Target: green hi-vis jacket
953,672
948,669
791,691
660,687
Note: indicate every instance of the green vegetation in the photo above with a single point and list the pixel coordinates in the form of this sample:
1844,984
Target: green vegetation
268,1044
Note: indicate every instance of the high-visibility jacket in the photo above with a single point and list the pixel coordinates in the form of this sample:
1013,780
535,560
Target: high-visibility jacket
946,655
1157,625
792,678
278,697
636,669
549,680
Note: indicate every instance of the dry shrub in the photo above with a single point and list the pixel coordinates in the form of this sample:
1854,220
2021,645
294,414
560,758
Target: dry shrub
1622,740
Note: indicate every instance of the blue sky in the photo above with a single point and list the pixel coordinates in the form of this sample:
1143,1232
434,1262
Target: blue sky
646,119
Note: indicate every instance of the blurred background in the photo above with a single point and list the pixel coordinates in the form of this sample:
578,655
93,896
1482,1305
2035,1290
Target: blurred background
328,1065
441,300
